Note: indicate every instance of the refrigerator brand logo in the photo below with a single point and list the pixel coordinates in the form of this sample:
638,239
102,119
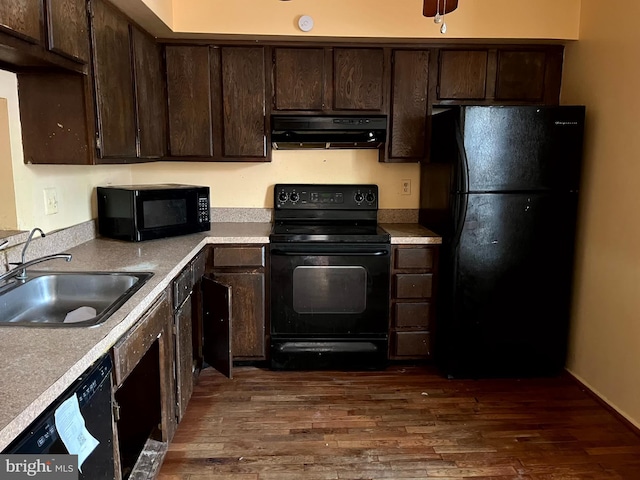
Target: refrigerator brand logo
52,467
566,123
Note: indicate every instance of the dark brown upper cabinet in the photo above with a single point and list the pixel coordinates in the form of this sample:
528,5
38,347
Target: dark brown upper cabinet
520,75
299,79
463,74
53,113
151,111
44,34
68,28
409,106
500,75
113,77
331,80
358,79
243,93
22,18
529,75
189,101
217,103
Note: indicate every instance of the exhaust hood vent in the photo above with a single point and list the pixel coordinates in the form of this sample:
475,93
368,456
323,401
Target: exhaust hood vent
304,132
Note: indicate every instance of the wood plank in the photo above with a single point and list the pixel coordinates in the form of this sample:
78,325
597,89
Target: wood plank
403,423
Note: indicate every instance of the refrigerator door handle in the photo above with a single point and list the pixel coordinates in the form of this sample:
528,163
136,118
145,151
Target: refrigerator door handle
460,202
463,162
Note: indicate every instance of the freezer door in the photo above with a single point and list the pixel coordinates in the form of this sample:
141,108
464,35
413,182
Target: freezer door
521,148
506,305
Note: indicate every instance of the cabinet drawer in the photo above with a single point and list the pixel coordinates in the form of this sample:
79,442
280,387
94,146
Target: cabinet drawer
413,285
239,257
414,258
128,351
412,315
182,287
412,344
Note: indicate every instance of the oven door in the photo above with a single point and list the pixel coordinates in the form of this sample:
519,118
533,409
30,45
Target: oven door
324,290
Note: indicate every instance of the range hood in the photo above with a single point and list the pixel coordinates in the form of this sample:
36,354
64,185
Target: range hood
302,132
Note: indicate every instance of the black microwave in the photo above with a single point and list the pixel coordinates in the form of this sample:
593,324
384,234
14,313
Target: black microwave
144,212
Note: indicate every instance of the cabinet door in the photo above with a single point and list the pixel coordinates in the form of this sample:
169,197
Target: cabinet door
113,82
68,28
299,78
243,91
217,311
358,76
409,105
463,74
248,305
150,98
22,18
520,75
54,103
189,101
184,357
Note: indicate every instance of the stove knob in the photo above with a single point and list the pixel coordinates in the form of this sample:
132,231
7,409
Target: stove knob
283,197
294,197
358,197
370,197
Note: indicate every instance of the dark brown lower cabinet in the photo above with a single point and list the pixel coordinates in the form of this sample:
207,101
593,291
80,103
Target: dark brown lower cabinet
413,279
199,265
144,395
187,329
243,269
217,312
183,330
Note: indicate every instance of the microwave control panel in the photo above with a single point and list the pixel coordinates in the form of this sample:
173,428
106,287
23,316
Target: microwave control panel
203,209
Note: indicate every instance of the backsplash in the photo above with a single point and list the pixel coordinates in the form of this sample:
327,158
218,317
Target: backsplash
55,242
60,240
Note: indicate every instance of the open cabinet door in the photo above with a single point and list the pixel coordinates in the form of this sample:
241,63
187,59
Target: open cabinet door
216,304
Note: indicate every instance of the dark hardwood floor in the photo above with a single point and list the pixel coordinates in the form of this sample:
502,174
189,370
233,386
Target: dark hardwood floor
403,423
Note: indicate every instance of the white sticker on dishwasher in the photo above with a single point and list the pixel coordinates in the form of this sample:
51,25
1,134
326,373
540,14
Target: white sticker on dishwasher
73,431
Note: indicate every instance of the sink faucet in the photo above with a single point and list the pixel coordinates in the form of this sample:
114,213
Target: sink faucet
23,274
19,273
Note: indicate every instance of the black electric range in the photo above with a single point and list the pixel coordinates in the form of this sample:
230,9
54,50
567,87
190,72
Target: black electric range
330,266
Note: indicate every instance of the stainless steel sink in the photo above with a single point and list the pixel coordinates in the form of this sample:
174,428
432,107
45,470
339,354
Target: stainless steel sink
67,299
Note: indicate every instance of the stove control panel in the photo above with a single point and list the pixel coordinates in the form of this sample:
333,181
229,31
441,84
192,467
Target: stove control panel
325,197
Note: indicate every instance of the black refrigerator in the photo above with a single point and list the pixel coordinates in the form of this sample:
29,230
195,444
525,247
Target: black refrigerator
501,186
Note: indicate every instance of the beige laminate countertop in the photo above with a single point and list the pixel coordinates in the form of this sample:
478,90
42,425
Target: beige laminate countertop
402,233
38,364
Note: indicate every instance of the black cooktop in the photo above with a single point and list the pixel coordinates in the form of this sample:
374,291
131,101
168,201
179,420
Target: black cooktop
328,233
336,213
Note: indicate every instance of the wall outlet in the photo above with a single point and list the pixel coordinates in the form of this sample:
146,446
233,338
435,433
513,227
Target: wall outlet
50,201
406,187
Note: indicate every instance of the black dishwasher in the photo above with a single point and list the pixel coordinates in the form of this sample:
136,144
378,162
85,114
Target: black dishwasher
93,389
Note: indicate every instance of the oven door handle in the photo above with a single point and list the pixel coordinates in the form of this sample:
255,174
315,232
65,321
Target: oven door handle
371,253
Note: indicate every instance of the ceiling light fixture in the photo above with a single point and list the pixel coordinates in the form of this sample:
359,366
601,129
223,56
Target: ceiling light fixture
438,9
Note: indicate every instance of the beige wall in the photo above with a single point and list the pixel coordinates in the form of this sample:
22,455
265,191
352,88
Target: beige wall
556,19
602,72
74,184
8,217
250,185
